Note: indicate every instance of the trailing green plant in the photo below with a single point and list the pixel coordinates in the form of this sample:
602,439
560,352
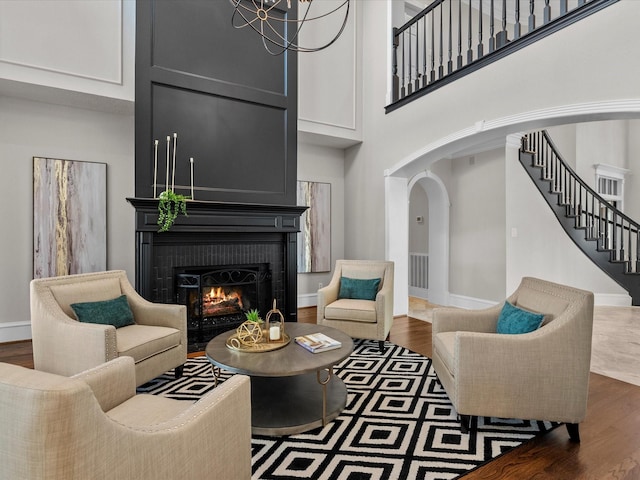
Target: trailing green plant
170,205
253,316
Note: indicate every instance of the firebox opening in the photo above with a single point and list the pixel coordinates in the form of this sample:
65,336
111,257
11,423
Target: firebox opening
217,298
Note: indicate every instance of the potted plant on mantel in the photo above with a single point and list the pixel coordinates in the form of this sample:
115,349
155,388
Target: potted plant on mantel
170,205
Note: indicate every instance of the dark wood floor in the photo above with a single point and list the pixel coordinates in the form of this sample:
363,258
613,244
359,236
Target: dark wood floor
610,447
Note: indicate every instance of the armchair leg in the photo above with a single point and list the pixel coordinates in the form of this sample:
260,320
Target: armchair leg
466,423
179,371
574,433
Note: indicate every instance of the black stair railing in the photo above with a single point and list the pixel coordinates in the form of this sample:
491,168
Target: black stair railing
604,233
452,38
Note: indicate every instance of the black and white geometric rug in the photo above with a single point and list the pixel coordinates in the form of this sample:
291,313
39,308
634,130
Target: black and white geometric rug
398,424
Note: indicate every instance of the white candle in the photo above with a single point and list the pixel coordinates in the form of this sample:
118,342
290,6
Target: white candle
155,167
173,175
274,332
167,176
191,162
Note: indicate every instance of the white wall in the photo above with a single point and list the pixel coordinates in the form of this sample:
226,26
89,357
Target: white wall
600,142
477,226
418,232
330,81
79,53
632,182
66,91
323,164
564,138
39,129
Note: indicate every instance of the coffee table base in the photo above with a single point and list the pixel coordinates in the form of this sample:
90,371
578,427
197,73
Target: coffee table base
291,405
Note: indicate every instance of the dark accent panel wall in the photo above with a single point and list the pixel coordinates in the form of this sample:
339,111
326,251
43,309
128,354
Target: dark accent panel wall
217,51
233,106
235,133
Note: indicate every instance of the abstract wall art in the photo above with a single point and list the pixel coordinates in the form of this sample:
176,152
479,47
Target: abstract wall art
314,239
69,217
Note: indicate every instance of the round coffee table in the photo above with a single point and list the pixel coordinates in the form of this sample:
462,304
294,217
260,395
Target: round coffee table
292,389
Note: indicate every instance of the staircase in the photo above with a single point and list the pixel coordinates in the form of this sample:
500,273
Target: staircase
605,234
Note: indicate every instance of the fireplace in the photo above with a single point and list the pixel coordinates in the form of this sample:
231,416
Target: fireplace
217,298
215,239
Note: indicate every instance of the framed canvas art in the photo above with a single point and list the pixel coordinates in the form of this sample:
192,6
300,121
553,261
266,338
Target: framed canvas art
314,239
69,217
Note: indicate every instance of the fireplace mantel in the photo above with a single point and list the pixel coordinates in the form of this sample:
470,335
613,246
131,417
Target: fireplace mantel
205,216
211,224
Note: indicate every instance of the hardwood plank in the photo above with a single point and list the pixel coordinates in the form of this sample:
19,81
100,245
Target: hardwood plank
17,353
610,447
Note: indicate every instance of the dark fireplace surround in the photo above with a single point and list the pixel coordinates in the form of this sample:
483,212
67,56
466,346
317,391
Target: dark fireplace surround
218,235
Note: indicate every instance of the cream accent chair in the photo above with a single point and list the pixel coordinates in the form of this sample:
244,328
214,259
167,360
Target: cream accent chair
61,344
94,426
541,375
368,319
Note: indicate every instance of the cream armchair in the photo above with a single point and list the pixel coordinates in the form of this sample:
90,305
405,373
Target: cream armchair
61,344
369,319
541,375
94,426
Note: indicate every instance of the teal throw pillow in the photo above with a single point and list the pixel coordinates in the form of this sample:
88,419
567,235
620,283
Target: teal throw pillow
516,320
114,312
359,289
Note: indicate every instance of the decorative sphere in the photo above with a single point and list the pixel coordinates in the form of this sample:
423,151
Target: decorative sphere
249,333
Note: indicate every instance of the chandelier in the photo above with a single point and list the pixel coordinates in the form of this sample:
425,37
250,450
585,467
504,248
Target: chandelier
268,19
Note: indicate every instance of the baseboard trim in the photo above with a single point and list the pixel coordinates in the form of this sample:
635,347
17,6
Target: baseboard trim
469,303
307,300
601,299
419,292
612,299
15,331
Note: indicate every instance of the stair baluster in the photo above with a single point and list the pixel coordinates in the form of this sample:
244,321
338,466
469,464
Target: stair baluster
615,237
637,270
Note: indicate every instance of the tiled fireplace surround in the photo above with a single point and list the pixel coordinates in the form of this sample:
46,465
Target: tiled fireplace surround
214,234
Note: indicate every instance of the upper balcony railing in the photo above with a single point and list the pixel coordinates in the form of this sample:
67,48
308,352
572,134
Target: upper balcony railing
452,38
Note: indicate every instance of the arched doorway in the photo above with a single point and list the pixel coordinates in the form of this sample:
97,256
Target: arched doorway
438,233
416,167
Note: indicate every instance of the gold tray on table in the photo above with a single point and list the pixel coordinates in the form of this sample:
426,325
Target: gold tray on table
234,344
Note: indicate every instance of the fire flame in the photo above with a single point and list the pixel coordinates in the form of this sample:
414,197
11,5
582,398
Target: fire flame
217,296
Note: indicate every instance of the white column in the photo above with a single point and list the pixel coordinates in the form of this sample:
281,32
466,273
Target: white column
397,239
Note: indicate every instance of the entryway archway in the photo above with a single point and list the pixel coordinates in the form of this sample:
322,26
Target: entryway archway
486,134
438,241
